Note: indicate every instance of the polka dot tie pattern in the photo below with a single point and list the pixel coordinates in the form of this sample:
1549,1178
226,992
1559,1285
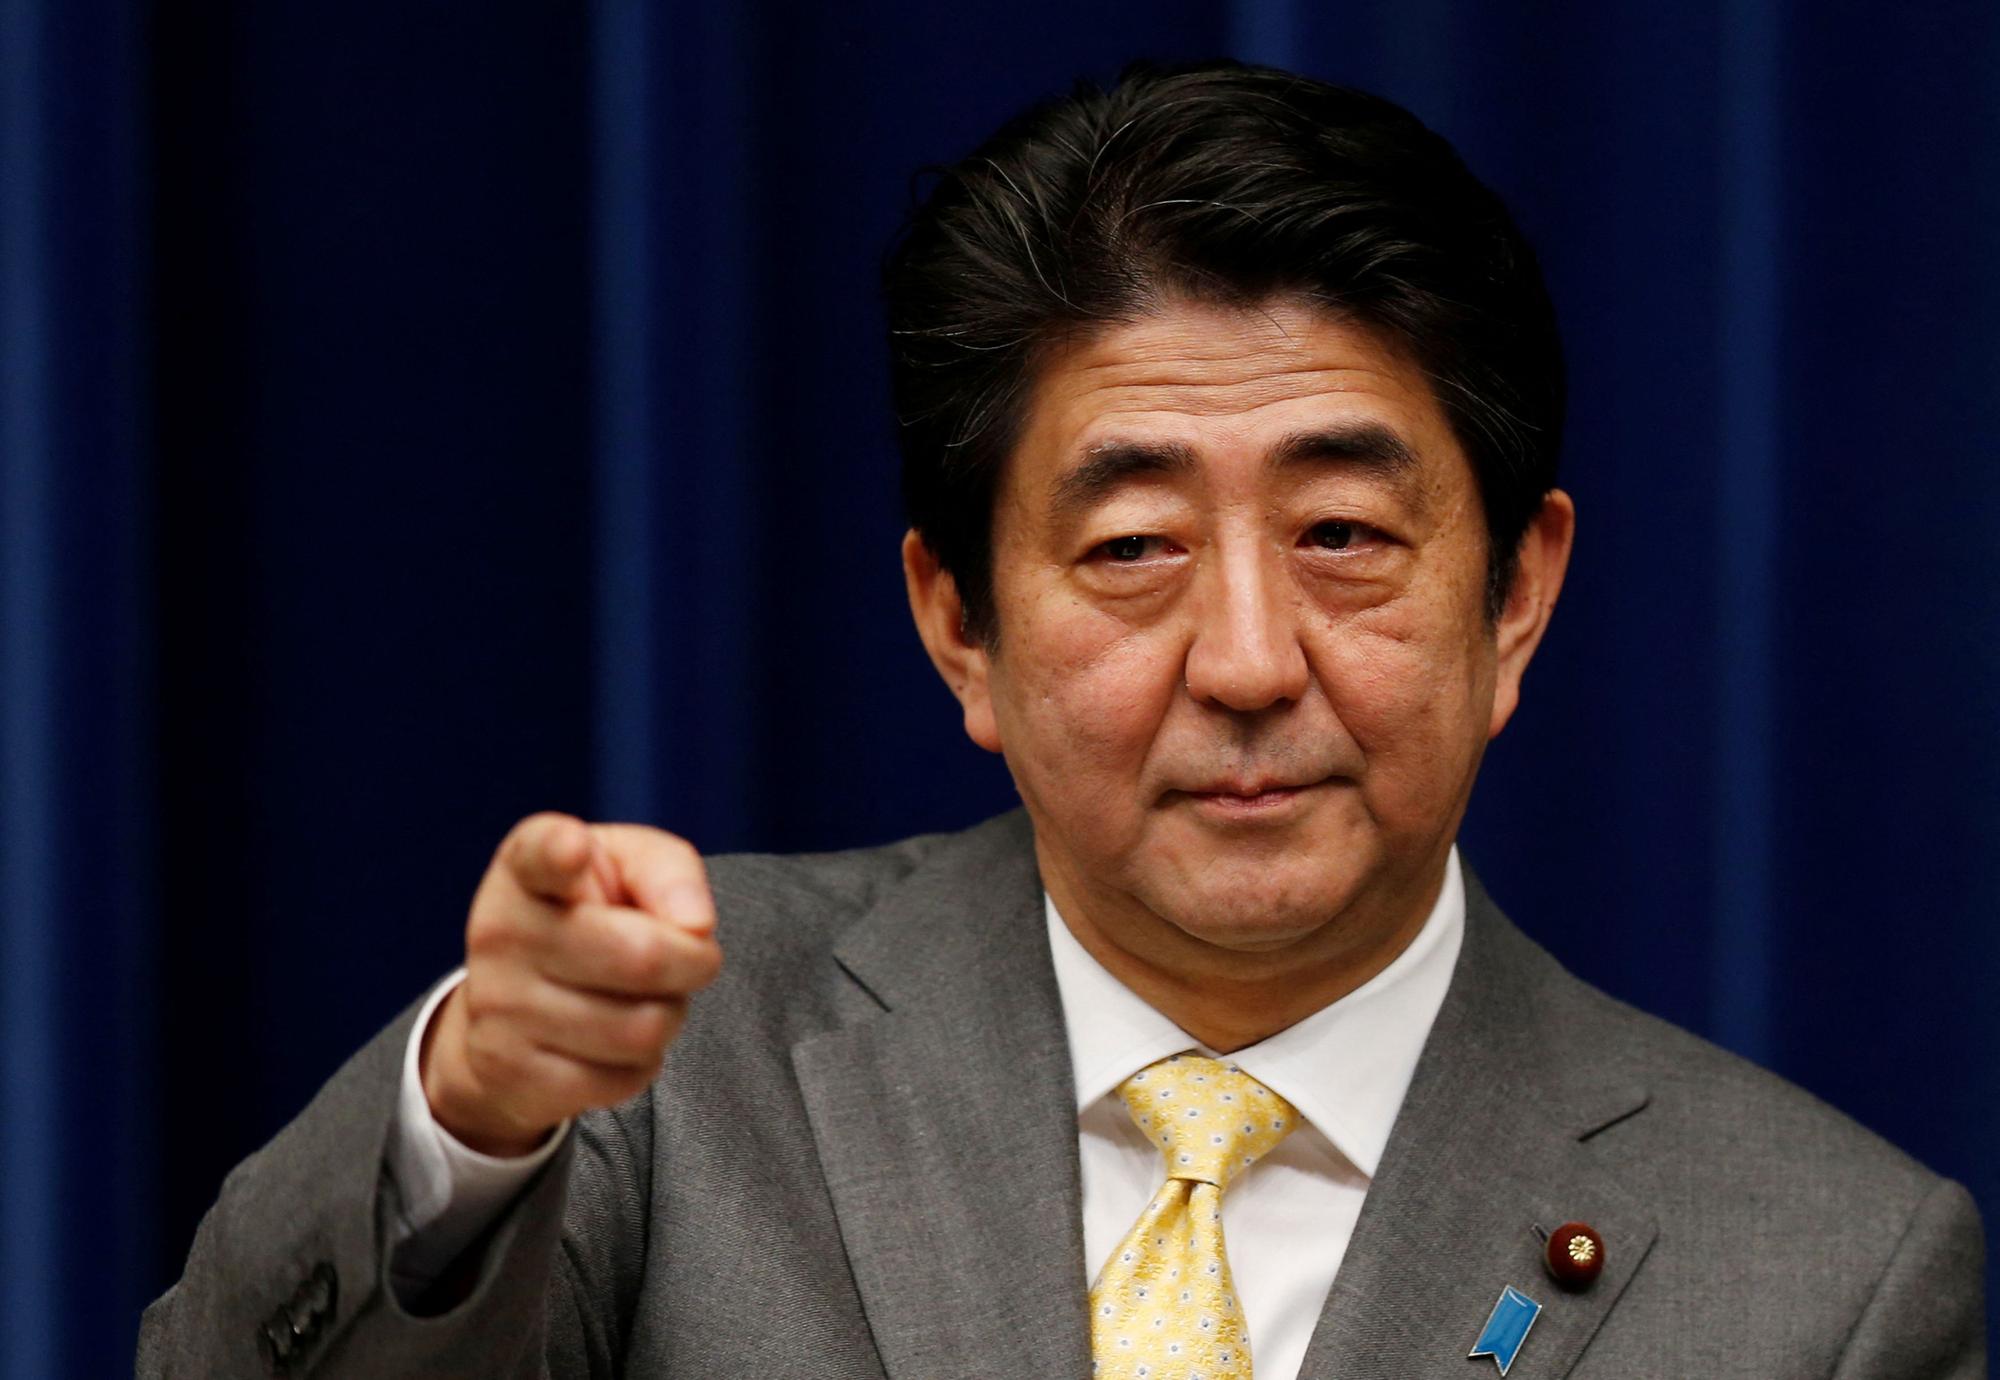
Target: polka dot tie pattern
1164,1307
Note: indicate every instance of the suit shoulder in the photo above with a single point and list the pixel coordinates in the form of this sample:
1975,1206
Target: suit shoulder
771,904
1722,1125
1760,1189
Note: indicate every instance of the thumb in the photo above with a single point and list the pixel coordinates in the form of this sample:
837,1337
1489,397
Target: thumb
660,872
603,884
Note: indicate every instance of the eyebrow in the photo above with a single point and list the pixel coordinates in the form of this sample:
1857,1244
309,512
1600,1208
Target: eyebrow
1369,446
1105,468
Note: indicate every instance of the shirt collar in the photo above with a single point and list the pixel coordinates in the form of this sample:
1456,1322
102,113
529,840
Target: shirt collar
1345,1067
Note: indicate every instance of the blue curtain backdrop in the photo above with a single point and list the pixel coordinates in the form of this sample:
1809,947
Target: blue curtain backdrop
412,416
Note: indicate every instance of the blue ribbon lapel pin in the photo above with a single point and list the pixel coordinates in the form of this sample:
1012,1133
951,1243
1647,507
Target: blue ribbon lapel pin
1506,1328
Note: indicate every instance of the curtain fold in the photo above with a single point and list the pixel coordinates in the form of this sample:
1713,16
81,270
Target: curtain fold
79,1100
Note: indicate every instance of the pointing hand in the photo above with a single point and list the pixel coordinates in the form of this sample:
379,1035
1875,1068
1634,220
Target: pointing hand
584,943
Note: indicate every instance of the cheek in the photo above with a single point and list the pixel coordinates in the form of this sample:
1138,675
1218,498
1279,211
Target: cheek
1088,700
1414,690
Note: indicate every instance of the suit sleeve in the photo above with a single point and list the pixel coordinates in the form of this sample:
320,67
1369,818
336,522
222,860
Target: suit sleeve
289,1274
1927,1317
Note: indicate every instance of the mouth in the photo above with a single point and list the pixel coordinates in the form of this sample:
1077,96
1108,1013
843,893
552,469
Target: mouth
1251,800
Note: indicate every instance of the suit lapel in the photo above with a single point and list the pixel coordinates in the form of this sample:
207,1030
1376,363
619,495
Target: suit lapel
1492,1141
946,1122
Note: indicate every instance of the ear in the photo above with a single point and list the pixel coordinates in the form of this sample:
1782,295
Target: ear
940,616
1538,578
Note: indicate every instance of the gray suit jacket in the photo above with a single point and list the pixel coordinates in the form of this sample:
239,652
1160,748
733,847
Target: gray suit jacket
861,1161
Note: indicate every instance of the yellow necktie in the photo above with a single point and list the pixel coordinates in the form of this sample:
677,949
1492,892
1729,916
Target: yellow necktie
1164,1307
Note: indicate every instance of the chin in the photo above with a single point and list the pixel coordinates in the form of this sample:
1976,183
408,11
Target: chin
1259,911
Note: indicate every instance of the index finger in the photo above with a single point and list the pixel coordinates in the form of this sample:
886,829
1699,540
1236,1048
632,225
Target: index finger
549,855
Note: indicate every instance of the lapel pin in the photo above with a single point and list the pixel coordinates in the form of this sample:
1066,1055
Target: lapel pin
1506,1328
1574,1253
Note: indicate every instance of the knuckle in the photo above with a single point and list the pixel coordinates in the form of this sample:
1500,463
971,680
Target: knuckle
588,1085
627,1083
675,854
500,1005
695,870
643,1030
476,994
565,1082
639,957
695,966
495,1063
707,964
496,1014
492,932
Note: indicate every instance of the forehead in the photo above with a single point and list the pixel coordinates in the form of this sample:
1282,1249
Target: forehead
1199,385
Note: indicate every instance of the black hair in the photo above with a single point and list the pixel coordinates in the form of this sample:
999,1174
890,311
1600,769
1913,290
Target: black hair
1224,183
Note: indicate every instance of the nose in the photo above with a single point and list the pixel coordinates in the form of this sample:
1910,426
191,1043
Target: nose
1245,653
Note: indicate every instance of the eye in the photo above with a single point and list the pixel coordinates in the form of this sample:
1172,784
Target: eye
1127,549
1335,536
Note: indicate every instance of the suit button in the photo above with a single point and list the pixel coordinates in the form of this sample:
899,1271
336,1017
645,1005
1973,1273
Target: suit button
1575,1255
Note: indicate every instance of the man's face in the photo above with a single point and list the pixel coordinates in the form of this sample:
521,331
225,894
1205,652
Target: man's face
1244,674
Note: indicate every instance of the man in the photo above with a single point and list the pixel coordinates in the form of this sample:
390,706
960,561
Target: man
1231,406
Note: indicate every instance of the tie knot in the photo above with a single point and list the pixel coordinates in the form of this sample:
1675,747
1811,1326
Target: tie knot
1211,1120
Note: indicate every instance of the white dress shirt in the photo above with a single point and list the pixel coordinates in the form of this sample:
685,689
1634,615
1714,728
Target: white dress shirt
449,1190
1286,1221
